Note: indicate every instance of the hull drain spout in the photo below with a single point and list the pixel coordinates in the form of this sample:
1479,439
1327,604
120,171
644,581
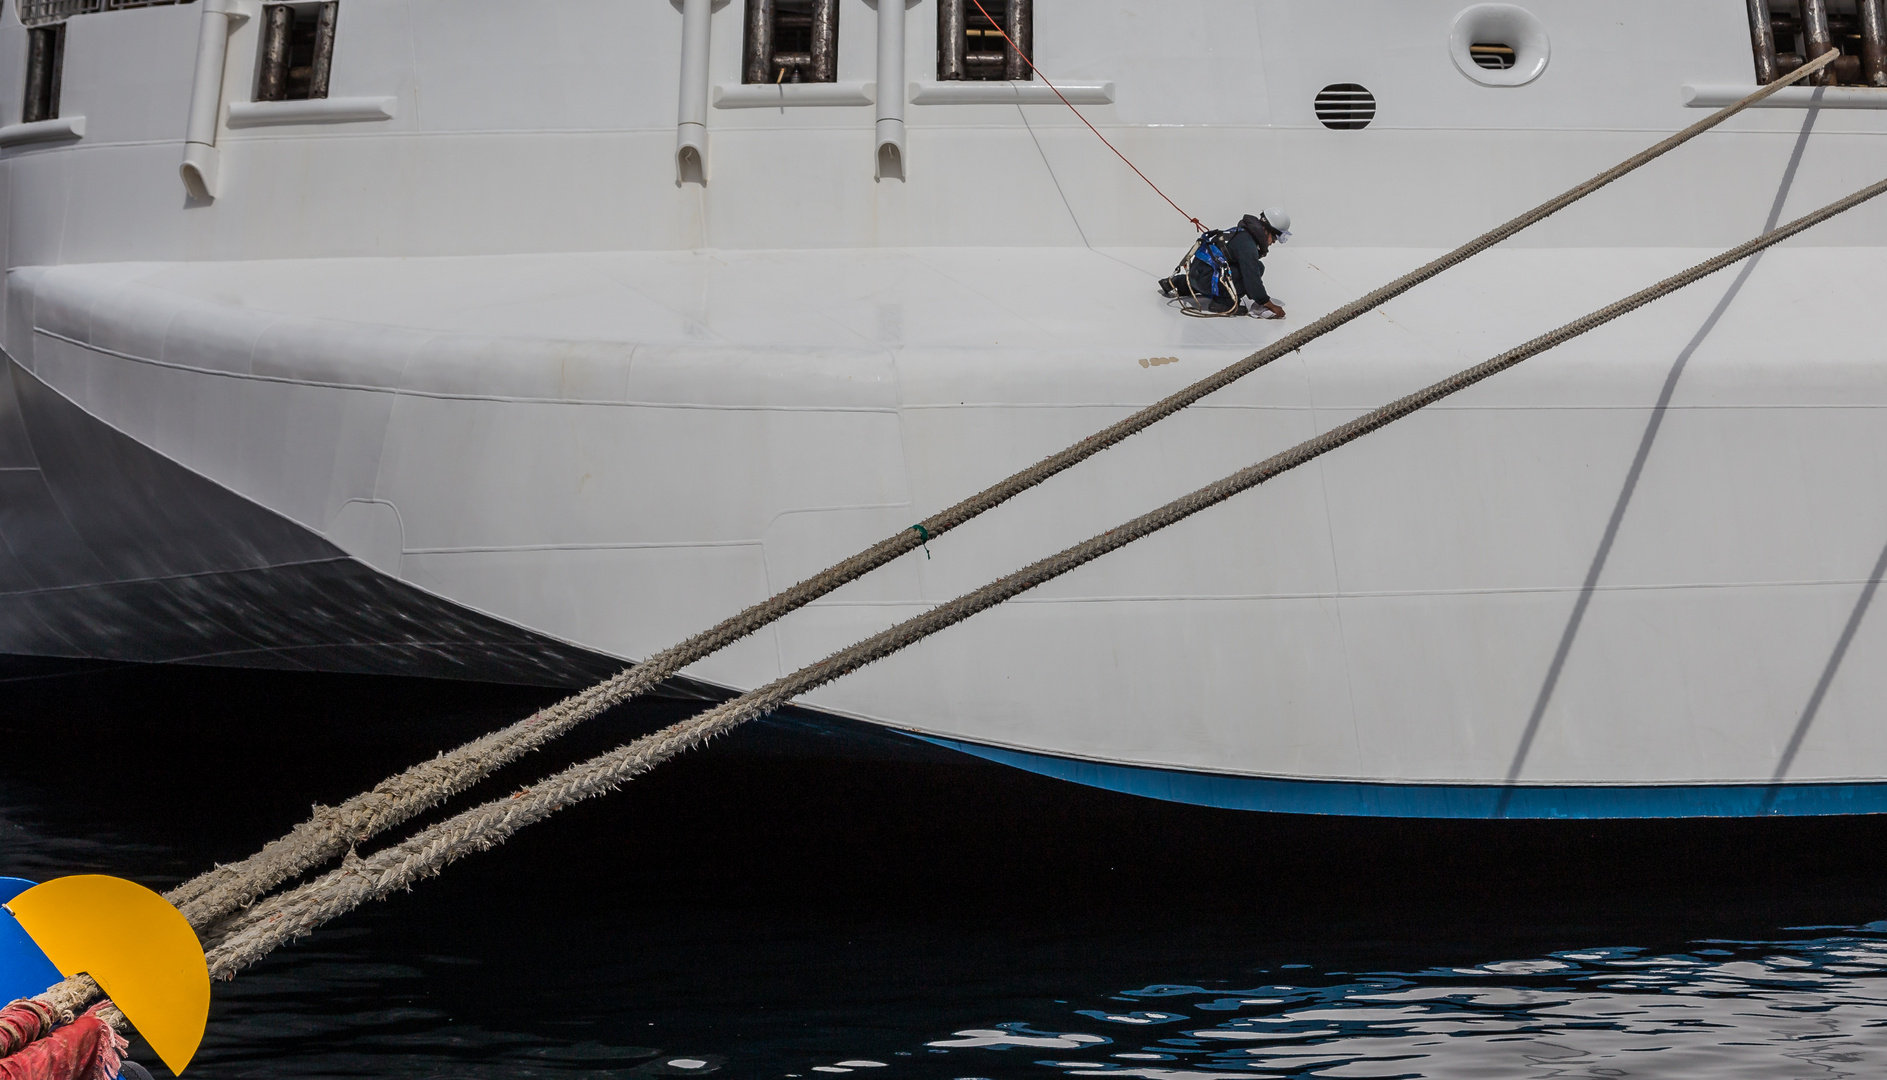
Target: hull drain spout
201,159
890,97
691,126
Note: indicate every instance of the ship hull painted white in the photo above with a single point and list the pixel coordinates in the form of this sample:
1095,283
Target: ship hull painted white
1390,614
512,372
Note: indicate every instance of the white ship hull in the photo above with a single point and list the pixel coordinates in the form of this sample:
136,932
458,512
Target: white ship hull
485,392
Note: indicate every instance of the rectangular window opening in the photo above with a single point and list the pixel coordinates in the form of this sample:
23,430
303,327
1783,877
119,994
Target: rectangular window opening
971,45
297,51
45,61
791,41
1790,34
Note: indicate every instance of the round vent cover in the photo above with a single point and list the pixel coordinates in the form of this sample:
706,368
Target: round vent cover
1499,45
1346,106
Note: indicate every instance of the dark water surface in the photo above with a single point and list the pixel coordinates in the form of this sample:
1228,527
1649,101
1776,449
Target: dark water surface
790,902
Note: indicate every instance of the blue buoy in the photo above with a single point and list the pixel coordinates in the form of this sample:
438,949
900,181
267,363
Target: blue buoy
24,969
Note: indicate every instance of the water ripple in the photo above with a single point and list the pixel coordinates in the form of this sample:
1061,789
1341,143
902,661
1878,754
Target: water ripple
792,905
1812,1007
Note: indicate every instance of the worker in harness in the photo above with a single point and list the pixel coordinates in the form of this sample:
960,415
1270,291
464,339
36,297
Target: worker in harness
1227,265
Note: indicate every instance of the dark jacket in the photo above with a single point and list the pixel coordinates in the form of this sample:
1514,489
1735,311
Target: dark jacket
1245,245
1248,246
1258,232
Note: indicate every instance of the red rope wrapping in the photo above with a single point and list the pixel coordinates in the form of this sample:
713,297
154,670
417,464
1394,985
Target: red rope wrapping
1071,108
85,1049
23,1023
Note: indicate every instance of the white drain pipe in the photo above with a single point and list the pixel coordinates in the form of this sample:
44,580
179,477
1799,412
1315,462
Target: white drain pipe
691,125
200,156
890,152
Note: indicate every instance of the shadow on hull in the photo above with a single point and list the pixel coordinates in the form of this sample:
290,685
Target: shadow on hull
110,551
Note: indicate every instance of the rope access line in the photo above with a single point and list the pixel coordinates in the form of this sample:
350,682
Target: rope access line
1071,108
280,918
332,831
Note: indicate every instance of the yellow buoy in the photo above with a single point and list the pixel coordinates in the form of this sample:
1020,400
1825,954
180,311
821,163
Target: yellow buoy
137,948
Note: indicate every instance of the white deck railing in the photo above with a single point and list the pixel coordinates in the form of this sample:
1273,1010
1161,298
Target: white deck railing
38,12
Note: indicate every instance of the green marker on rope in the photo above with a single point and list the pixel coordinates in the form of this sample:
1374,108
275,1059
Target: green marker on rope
923,536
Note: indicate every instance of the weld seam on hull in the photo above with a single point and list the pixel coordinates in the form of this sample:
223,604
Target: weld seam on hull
441,395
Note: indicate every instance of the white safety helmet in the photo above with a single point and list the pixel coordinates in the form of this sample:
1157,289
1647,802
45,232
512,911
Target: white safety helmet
1280,221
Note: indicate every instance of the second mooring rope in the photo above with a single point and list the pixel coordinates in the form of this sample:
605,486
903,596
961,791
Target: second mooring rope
280,918
332,831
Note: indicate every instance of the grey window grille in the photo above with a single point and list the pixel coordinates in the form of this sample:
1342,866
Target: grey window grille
297,51
791,41
971,45
1785,34
45,58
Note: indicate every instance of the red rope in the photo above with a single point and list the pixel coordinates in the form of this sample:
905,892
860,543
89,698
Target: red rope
1083,119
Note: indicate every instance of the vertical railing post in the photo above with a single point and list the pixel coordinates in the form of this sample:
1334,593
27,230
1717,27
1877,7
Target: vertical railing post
201,160
1874,42
58,35
757,59
323,49
277,21
691,120
39,65
951,41
890,151
825,41
1817,38
1020,17
1762,40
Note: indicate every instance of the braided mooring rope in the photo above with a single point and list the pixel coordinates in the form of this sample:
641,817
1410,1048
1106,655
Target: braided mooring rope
60,1005
280,918
332,831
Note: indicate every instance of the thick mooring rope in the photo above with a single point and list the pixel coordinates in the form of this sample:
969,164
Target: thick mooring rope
60,1004
280,918
332,831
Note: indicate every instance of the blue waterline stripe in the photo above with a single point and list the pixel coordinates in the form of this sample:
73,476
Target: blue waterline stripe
1352,799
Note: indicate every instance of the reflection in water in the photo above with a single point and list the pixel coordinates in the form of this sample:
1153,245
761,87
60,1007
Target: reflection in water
789,904
1808,1007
